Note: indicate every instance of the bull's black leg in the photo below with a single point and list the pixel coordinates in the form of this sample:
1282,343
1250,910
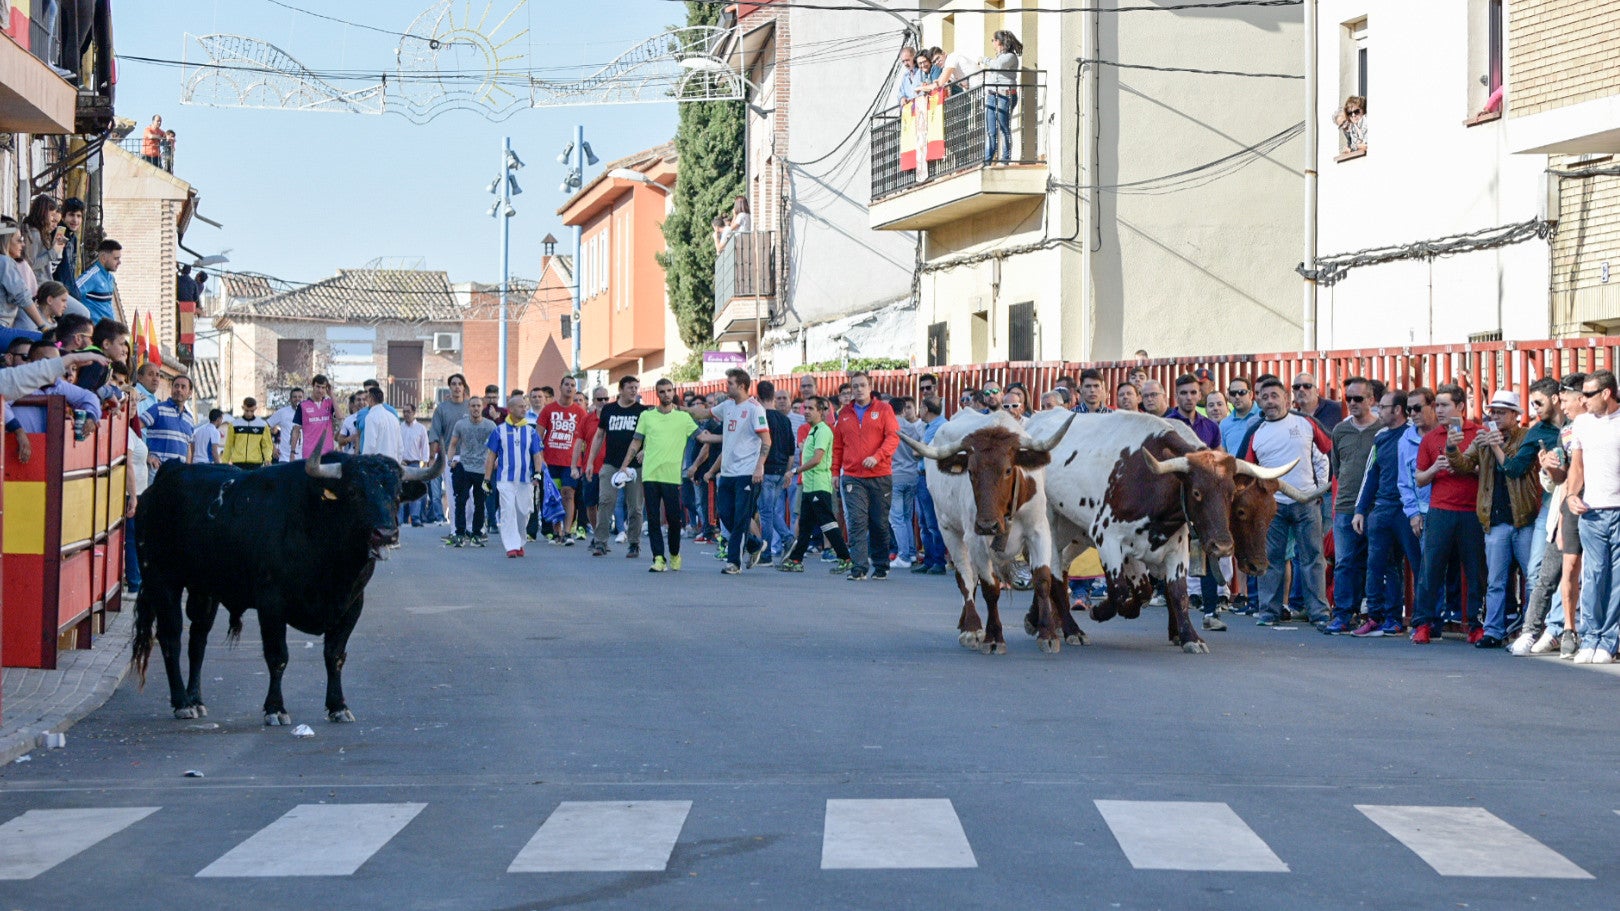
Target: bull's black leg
337,651
201,608
969,626
170,624
273,635
1181,628
1050,638
1072,633
993,643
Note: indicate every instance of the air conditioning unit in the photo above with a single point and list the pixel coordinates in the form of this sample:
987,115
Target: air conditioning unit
446,341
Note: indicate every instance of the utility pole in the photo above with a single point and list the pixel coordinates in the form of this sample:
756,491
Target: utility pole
506,251
1308,303
579,165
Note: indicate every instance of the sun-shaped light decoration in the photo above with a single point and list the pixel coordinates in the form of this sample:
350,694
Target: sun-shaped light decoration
471,59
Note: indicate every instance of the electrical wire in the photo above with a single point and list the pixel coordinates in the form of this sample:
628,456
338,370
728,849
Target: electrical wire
431,41
1186,69
1330,269
925,11
1580,173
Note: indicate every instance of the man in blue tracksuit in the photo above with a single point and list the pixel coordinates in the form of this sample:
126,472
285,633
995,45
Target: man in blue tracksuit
931,555
1380,515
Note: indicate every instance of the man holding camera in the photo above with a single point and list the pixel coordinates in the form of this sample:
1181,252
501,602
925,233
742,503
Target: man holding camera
1451,530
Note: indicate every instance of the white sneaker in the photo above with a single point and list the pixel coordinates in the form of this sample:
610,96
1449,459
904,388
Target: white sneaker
620,538
1584,655
1547,643
1522,645
900,563
1599,656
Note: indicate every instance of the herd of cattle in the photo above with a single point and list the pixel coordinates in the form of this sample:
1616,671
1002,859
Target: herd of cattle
298,542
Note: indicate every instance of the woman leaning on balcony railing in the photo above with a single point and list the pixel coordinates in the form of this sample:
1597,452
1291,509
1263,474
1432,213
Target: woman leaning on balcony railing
1000,95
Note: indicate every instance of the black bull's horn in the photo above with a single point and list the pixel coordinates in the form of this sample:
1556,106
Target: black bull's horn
315,468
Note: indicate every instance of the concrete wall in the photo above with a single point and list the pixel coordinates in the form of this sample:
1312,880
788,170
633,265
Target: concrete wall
1426,175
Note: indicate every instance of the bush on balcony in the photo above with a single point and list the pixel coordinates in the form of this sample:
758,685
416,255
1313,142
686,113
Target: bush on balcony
859,363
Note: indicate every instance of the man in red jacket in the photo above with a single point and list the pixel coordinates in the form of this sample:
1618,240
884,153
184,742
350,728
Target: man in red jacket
864,439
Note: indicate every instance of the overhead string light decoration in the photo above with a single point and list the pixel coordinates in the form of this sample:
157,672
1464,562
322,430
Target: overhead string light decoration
451,58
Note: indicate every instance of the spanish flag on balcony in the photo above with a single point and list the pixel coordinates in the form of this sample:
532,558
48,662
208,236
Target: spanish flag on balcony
922,125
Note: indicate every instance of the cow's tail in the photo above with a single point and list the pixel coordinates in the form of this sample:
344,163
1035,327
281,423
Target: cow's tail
233,633
145,619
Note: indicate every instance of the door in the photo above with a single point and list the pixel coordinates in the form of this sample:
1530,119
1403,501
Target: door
938,339
404,373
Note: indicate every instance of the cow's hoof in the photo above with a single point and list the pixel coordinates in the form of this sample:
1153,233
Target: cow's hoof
202,710
341,716
994,648
1051,646
1078,638
186,714
971,638
277,718
1197,647
1030,627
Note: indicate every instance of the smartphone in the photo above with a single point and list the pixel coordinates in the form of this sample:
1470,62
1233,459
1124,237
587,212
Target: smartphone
1490,424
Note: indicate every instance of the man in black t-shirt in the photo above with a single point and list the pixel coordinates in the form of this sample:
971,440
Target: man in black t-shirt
778,462
702,464
615,430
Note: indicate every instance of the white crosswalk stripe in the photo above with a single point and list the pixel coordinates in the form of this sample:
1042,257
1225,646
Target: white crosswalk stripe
604,836
1470,841
1187,835
40,839
893,834
317,840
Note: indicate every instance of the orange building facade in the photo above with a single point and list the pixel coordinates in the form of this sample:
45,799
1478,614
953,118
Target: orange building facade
627,327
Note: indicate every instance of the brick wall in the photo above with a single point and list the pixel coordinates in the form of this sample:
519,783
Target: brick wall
1588,236
1561,52
146,277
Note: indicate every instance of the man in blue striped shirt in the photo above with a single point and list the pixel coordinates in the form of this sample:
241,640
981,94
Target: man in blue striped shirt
517,463
169,426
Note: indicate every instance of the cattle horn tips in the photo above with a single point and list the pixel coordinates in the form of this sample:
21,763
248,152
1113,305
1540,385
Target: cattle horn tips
931,452
315,469
1295,494
426,472
1265,474
1052,439
1178,465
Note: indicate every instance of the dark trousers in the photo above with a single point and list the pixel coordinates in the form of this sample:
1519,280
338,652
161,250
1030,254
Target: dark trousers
132,564
816,519
1450,535
1389,538
736,499
667,497
866,508
463,482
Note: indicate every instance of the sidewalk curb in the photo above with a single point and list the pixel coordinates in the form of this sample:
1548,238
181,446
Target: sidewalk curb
26,740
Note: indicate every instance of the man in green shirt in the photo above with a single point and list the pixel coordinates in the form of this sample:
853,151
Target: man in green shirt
816,507
661,435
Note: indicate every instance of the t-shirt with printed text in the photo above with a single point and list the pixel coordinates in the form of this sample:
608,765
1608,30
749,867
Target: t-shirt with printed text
743,426
560,425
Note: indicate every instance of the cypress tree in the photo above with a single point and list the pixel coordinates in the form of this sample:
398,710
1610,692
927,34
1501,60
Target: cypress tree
709,145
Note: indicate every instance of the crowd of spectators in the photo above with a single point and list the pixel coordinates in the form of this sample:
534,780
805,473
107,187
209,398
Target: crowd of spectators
929,70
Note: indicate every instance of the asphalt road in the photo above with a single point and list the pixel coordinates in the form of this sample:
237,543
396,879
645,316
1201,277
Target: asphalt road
564,731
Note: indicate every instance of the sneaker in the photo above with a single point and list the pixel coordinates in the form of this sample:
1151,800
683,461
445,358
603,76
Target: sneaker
1547,643
1196,602
479,540
790,566
1266,620
730,570
900,563
1568,643
841,567
1223,602
1336,627
657,565
1522,645
1477,633
598,550
1372,629
752,557
1242,605
856,575
827,556
513,553
553,539
416,523
1599,656
936,570
675,563
619,538
880,572
701,538
920,567
1212,622
1392,628
579,533
455,541
634,553
1584,655
529,536
1421,634
568,541
1488,642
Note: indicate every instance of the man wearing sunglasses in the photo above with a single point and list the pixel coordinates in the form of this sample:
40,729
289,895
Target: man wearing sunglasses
1378,515
1594,485
1451,530
1352,444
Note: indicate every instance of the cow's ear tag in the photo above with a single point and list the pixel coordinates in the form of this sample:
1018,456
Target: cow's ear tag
327,494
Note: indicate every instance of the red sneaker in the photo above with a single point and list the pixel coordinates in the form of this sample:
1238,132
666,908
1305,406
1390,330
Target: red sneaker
1475,633
520,552
514,553
1420,634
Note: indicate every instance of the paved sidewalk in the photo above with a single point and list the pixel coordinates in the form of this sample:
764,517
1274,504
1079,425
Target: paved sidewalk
39,702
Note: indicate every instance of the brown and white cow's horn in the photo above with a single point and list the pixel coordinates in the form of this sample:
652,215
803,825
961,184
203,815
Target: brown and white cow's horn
1046,445
1264,474
932,452
1178,465
426,473
1294,493
315,469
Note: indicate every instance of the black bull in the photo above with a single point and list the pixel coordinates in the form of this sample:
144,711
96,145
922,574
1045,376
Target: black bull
296,542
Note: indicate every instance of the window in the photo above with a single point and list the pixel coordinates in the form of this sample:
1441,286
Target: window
1021,332
938,344
1485,61
1354,81
980,337
295,359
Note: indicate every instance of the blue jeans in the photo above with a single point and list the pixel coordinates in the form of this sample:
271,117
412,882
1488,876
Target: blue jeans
736,499
1302,521
435,500
1538,542
1450,536
700,507
132,563
1349,568
997,126
772,515
933,543
902,504
411,511
1389,537
1600,579
1504,546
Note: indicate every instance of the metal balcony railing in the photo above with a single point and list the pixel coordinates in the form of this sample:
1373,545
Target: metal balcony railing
965,130
745,267
134,144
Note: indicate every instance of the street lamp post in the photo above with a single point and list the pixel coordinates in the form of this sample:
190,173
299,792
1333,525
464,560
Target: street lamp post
576,156
505,185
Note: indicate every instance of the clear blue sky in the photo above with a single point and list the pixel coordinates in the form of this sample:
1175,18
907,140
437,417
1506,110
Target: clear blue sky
303,194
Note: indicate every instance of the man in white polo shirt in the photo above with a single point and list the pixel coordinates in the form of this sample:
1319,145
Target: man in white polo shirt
1594,486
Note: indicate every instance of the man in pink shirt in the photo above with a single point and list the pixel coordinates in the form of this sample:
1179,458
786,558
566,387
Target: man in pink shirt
312,421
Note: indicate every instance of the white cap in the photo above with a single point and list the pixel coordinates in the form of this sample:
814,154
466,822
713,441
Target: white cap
624,477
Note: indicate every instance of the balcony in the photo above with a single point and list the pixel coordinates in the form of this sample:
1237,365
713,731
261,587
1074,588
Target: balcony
135,144
956,182
744,286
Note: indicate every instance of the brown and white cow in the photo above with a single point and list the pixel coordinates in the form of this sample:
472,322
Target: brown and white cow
1134,486
986,476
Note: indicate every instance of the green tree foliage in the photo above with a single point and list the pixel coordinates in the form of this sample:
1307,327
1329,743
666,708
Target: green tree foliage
858,363
709,144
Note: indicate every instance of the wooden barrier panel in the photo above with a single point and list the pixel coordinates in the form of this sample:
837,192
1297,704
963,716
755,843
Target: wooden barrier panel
63,536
